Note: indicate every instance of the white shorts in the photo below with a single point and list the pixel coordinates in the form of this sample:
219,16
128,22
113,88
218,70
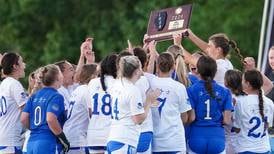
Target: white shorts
10,149
77,150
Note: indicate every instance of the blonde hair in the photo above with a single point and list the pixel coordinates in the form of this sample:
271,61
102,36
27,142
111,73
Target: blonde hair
127,65
180,67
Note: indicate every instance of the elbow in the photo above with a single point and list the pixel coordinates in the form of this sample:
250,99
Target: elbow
139,119
227,121
24,120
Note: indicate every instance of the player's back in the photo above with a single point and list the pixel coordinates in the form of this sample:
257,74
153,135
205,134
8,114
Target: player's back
99,124
167,124
38,106
209,110
77,121
253,135
12,97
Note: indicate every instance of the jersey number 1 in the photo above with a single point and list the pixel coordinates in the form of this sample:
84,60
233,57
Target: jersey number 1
207,117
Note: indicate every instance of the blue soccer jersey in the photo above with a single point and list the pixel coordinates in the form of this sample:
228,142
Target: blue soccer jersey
45,100
209,110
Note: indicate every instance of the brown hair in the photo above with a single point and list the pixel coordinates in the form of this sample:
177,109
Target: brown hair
207,69
255,79
49,74
233,80
221,40
87,73
165,62
8,60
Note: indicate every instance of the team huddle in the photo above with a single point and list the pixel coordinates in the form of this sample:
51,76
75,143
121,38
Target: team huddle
138,101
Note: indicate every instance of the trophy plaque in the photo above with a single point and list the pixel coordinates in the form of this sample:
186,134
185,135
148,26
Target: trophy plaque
166,22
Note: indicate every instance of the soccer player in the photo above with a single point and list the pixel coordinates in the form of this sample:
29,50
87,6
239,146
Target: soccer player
170,112
12,100
212,105
78,114
44,114
253,116
218,47
99,124
233,81
128,109
145,140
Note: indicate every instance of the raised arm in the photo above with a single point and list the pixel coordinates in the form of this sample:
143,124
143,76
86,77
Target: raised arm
249,64
153,56
189,59
197,41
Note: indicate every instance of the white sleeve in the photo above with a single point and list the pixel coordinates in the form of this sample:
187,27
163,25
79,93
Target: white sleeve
19,94
87,99
184,103
270,119
135,101
150,77
237,115
88,96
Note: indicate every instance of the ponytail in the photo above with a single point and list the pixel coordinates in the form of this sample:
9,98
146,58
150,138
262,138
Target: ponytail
102,80
208,86
181,70
261,103
234,46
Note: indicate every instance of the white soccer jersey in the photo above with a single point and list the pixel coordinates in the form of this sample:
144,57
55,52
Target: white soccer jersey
143,85
252,136
66,93
126,102
223,65
76,125
99,124
12,97
169,134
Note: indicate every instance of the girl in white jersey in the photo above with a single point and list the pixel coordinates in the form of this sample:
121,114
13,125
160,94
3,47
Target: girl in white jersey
233,81
128,109
218,47
168,116
99,124
253,115
13,98
79,111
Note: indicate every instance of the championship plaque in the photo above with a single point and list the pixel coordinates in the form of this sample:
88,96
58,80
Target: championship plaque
164,23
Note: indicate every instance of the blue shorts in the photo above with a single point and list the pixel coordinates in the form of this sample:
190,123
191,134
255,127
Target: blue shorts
144,142
207,140
247,152
42,146
97,149
114,147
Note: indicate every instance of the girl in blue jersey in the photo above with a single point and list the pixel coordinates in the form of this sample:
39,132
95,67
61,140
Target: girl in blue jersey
212,106
44,114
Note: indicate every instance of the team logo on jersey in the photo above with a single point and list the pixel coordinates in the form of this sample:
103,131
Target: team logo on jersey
140,105
24,95
55,107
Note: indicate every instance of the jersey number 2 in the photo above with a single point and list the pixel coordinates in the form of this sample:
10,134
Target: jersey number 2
257,122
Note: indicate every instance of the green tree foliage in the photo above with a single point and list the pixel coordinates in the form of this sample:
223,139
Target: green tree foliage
45,31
